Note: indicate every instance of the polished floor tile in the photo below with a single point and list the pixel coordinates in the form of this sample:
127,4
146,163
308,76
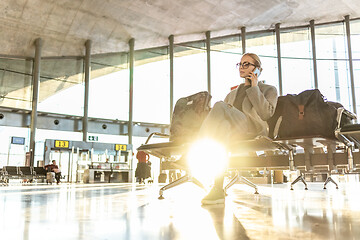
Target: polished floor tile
132,211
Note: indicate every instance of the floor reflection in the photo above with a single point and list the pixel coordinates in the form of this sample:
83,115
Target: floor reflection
130,211
226,224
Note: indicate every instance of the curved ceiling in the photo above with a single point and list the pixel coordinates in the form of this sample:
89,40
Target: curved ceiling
65,25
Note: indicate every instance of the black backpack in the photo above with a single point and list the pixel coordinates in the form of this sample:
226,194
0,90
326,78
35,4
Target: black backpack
188,115
302,115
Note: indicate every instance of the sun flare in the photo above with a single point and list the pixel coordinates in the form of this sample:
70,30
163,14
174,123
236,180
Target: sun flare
207,159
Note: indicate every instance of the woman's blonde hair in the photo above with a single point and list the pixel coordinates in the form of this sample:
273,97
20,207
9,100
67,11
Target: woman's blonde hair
256,58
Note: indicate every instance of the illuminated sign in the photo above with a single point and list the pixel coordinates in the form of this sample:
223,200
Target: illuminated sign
93,138
61,144
121,147
18,140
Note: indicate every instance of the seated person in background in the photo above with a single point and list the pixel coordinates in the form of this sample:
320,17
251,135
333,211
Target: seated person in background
243,114
54,168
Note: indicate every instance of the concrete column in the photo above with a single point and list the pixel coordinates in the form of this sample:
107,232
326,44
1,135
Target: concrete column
35,98
277,33
208,54
131,85
351,68
86,91
171,52
243,39
312,29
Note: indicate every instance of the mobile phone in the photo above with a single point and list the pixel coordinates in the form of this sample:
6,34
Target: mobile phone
256,72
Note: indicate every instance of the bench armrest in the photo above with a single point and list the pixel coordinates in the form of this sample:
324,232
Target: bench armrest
342,111
163,135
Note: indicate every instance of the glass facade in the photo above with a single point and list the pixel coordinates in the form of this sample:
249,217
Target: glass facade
152,86
355,48
333,64
190,69
109,86
13,154
16,83
63,156
62,86
296,61
264,45
225,53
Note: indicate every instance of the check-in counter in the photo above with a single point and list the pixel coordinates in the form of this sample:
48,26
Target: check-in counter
107,173
90,161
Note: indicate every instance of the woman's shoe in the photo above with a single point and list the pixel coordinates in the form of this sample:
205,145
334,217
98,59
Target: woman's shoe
215,196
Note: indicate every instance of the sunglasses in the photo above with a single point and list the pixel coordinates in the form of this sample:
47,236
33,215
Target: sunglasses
244,65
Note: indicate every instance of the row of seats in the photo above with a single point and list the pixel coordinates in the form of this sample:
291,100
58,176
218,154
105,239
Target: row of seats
343,152
25,173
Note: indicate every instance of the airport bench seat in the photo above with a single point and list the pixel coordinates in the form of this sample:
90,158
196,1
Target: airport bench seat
168,150
21,172
11,171
350,133
25,171
40,173
282,155
17,172
2,177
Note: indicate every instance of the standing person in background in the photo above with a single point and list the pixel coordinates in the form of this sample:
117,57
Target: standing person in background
143,169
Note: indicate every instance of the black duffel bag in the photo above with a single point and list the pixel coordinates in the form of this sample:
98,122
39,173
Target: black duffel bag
302,115
188,115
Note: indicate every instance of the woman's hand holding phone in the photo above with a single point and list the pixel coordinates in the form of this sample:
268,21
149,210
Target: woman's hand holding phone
253,77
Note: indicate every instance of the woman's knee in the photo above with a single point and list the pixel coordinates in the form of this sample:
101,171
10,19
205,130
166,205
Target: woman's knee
219,106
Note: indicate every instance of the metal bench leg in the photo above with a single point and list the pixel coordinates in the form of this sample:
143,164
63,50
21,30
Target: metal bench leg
350,159
197,182
247,182
329,179
234,180
299,178
4,181
240,179
184,179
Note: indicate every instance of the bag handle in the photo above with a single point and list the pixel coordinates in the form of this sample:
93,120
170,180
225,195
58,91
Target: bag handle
301,112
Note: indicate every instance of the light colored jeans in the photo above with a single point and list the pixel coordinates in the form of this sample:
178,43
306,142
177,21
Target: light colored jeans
224,123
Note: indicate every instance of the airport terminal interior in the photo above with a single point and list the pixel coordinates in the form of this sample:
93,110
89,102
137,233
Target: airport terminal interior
88,98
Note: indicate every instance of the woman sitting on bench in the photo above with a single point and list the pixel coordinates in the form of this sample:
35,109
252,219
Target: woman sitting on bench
243,114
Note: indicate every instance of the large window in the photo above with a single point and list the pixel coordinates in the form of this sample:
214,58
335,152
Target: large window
62,157
61,86
190,69
152,86
62,80
296,61
333,64
15,83
225,53
13,154
109,86
264,45
355,47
